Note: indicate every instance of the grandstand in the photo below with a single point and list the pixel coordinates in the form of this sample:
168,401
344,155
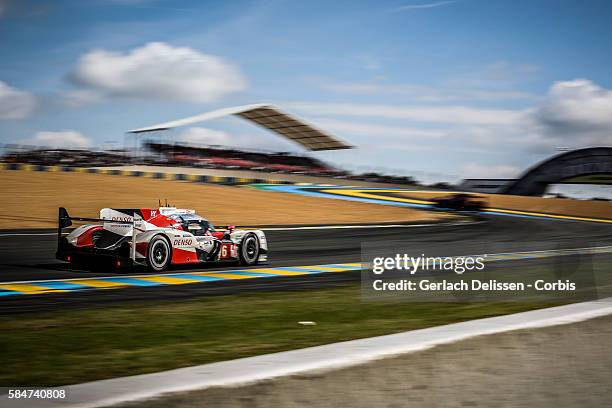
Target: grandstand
204,157
228,158
64,157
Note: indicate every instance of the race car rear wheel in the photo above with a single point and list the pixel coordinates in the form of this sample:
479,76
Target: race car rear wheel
159,254
249,250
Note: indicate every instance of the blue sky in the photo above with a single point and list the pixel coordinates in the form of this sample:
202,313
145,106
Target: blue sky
466,88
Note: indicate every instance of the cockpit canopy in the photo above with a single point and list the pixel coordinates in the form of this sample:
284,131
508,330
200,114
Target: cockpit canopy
193,223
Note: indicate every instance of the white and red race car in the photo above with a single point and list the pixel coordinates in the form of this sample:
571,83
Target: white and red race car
156,238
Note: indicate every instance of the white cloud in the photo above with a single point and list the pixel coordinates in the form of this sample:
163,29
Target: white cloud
80,97
15,104
497,75
161,71
436,114
131,2
477,170
367,62
506,71
575,114
69,139
377,130
465,139
422,93
424,5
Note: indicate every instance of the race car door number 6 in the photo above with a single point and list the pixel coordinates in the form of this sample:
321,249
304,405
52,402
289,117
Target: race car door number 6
227,251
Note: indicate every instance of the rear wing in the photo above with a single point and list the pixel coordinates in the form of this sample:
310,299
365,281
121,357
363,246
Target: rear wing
64,220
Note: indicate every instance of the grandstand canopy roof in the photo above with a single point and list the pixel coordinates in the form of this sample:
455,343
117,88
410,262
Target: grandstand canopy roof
266,116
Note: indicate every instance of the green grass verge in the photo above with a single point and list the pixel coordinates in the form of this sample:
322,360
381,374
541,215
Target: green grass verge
75,346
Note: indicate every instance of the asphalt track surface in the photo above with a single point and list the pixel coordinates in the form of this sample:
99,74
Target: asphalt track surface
29,255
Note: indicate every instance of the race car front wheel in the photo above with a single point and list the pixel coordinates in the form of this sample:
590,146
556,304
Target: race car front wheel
159,254
249,250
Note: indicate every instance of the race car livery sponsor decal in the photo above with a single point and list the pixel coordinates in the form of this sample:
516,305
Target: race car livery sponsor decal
180,242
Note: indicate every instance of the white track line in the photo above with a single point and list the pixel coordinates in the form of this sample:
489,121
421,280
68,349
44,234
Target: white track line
327,357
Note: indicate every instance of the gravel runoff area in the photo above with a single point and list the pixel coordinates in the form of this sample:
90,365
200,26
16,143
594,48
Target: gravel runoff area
560,366
35,197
